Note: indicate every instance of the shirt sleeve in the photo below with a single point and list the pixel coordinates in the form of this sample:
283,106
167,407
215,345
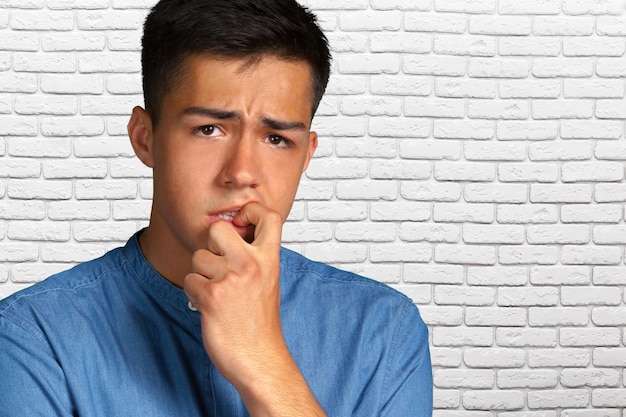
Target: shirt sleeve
408,387
33,383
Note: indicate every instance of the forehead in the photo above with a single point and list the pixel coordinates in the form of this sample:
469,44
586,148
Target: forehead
267,80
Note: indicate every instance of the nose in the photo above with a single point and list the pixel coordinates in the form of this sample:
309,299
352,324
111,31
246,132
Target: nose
240,168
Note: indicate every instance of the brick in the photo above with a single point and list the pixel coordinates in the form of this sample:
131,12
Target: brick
446,399
609,397
103,231
72,126
456,171
20,168
580,337
19,41
417,232
398,211
105,189
337,253
560,151
609,316
562,109
557,316
400,4
611,25
560,357
435,22
118,105
464,88
64,252
463,336
538,7
593,47
340,126
562,67
539,88
467,296
465,6
336,211
601,213
39,231
591,413
498,109
433,274
500,25
445,357
610,109
561,234
515,297
527,130
72,84
18,82
346,84
611,67
79,210
524,337
40,62
35,20
523,214
369,64
371,20
463,129
591,129
591,255
367,190
609,357
372,232
400,85
609,275
86,168
595,88
123,84
71,41
52,105
528,255
493,234
581,7
390,274
443,107
18,252
561,193
571,398
129,168
536,378
311,232
430,149
22,210
498,68
399,127
496,276
425,191
494,316
531,46
373,106
465,254
401,42
18,126
405,252
39,190
463,213
109,20
494,400
451,66
471,45
560,275
35,272
528,172
116,62
77,4
611,150
585,296
347,42
496,193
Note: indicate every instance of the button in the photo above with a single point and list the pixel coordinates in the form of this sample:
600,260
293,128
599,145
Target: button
191,307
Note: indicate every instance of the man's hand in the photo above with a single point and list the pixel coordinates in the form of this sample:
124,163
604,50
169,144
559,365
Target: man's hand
235,286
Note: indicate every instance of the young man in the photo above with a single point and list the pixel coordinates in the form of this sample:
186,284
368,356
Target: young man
202,313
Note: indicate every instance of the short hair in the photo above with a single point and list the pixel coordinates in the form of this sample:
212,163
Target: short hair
228,29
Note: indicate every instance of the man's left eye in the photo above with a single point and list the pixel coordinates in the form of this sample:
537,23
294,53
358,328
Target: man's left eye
278,141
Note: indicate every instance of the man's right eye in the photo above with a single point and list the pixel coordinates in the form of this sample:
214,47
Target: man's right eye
208,130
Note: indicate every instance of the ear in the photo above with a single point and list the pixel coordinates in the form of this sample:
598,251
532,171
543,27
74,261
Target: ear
141,135
311,150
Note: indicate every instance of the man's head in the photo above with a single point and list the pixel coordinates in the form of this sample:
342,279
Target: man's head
243,30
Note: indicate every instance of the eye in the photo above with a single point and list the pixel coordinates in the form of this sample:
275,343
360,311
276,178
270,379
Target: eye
278,141
208,131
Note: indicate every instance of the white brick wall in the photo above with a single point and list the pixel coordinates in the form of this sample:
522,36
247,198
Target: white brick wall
472,155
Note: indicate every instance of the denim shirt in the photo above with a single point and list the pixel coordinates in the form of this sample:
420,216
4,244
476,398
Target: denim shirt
111,337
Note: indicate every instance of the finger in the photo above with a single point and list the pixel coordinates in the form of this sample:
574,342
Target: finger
208,265
268,223
194,286
222,239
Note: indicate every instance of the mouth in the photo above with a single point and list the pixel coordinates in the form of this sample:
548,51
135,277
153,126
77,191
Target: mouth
227,215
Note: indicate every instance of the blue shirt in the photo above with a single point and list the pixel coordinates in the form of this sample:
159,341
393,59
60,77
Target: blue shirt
111,337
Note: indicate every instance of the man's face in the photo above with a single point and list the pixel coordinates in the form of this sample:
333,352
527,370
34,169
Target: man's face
228,135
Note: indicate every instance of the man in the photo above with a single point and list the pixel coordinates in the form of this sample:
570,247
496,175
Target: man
202,313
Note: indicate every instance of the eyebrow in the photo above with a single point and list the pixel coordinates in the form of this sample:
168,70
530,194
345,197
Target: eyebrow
233,115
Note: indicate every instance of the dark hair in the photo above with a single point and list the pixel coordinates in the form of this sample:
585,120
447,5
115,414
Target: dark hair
228,29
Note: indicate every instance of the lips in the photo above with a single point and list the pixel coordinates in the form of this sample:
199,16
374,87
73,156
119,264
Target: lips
227,215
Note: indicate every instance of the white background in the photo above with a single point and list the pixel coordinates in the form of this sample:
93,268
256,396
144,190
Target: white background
472,155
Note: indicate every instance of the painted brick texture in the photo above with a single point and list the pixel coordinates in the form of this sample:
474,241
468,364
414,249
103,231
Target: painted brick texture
472,155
